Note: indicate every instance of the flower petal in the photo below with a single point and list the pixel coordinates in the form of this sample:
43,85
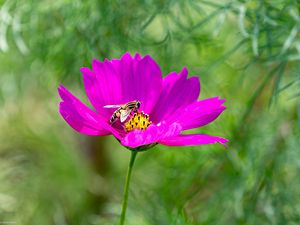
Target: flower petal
178,92
102,85
193,139
199,113
153,134
147,83
80,117
120,81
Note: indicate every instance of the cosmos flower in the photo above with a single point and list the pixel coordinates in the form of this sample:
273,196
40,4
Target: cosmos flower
168,106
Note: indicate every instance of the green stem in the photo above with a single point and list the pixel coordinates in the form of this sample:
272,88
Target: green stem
125,196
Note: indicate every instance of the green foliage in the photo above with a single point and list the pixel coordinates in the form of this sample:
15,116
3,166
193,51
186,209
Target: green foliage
245,51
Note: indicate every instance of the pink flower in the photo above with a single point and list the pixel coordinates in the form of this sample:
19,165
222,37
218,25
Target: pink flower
169,105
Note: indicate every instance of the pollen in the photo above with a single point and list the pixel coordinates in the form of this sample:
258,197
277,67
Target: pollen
139,120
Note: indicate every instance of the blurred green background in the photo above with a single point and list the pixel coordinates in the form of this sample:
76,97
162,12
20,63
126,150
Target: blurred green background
247,52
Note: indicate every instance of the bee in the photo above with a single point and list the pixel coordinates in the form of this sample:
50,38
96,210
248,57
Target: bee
123,111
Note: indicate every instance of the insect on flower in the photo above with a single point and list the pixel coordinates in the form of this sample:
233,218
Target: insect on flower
123,111
157,109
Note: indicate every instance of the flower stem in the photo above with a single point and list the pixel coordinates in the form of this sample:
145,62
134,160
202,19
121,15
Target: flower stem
125,196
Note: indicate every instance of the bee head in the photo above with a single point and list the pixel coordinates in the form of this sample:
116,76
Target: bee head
138,104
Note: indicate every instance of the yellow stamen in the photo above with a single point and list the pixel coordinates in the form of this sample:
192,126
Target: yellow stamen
139,120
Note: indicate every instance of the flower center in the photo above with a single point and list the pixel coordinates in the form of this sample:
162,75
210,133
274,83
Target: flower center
139,120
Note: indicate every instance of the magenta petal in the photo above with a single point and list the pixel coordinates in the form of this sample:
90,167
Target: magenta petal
178,91
80,117
153,134
147,82
120,81
141,80
199,113
192,140
103,85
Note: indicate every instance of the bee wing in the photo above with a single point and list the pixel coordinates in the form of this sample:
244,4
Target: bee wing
111,106
124,115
